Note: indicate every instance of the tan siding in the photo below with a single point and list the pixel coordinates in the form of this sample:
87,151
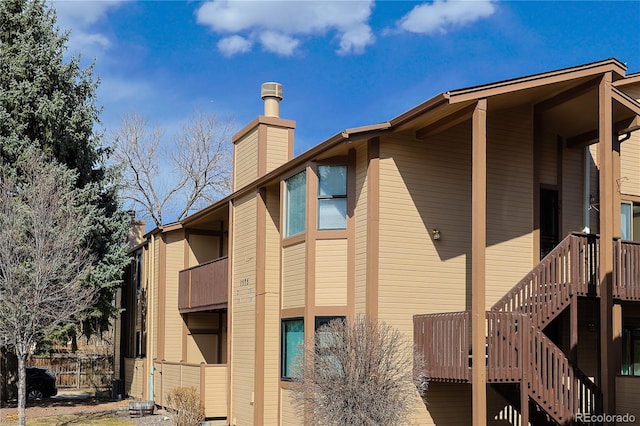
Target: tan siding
449,405
549,159
203,320
509,201
361,228
278,151
572,191
424,185
594,218
331,272
216,391
243,303
246,160
203,248
289,415
155,295
628,395
173,321
272,308
630,165
134,377
293,276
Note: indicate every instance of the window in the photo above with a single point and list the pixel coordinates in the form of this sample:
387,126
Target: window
295,200
631,351
291,345
322,321
630,221
332,197
329,346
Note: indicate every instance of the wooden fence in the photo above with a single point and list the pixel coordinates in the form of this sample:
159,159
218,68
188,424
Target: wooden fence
82,371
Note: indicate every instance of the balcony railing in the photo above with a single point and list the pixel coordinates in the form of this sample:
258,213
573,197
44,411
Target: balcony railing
204,287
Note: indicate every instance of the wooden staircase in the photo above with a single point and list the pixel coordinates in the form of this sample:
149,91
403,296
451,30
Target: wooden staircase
551,381
518,351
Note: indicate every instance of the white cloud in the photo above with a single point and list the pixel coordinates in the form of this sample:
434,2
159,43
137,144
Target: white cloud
441,15
234,45
288,22
79,16
83,12
278,43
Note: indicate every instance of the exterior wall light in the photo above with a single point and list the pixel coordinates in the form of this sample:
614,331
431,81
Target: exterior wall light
435,234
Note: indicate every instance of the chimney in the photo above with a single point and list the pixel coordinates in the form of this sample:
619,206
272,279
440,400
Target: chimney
272,95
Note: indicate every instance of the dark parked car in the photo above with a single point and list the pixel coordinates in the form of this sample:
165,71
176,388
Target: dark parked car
40,383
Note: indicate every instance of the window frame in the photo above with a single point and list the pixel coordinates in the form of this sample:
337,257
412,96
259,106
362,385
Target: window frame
285,363
288,233
343,196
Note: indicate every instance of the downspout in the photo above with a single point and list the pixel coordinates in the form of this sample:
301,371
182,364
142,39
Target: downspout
587,191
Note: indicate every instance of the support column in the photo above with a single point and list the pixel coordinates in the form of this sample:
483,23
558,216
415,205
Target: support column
607,221
478,261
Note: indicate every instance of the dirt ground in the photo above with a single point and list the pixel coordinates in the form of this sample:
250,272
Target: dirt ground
79,402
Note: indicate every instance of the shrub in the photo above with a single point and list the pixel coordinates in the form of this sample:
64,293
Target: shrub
358,372
185,406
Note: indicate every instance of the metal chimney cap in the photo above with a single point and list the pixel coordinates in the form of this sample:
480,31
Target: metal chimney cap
271,90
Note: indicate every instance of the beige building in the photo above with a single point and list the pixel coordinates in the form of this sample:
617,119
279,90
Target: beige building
429,222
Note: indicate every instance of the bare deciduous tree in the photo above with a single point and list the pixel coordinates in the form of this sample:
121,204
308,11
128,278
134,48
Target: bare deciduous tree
358,372
194,170
45,223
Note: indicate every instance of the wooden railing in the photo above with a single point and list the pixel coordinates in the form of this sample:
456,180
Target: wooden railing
545,291
518,351
204,287
505,357
626,277
443,340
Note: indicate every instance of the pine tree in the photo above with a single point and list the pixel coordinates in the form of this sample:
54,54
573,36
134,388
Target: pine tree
49,102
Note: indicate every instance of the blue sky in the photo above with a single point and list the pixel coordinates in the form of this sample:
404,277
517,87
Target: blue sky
343,64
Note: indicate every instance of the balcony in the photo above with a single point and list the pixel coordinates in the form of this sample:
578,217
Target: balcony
204,287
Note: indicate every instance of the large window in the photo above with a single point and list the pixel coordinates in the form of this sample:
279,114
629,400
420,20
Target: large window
295,204
291,345
332,197
631,351
630,221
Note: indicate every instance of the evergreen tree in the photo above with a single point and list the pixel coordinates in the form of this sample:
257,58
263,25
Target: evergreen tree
49,103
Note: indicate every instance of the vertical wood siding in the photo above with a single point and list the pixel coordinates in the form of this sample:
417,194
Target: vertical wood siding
293,276
246,160
331,272
243,305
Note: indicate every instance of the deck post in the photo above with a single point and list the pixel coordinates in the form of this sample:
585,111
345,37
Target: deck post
607,221
478,262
